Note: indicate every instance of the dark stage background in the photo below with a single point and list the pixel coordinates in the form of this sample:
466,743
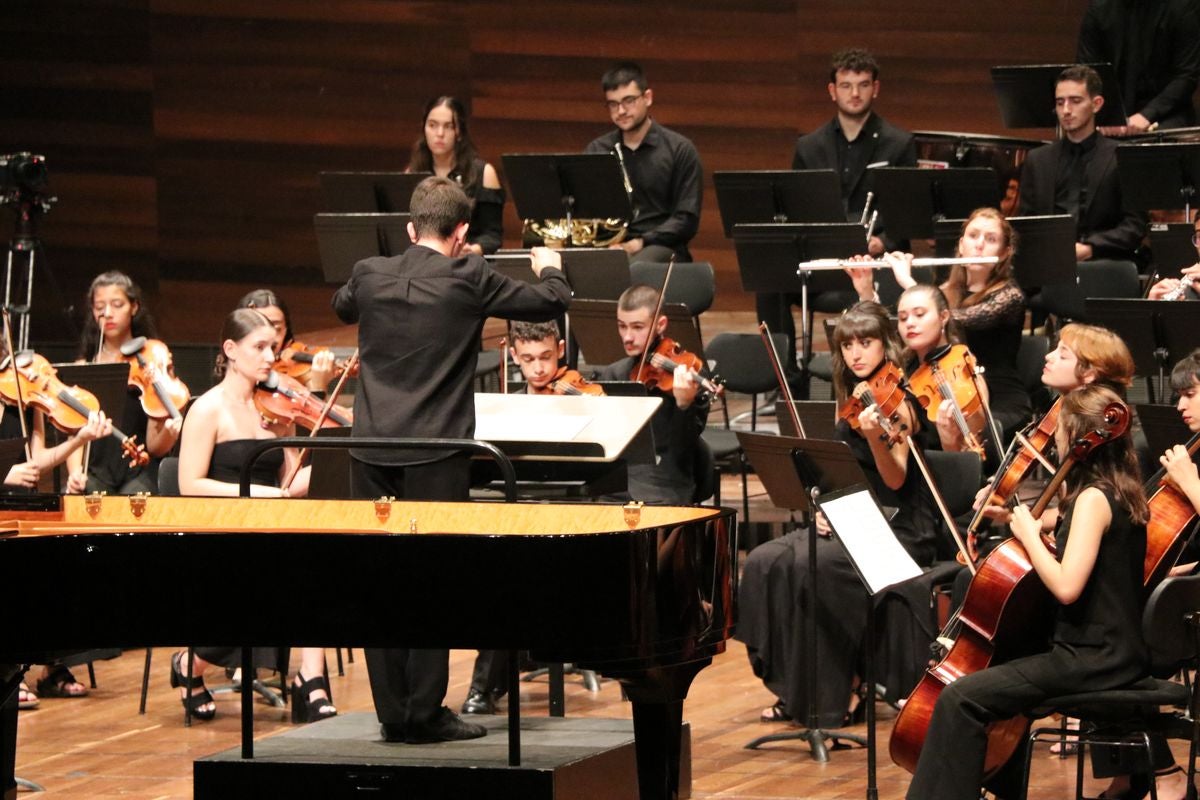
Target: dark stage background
184,137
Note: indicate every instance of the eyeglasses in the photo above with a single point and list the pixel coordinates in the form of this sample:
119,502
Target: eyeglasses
625,102
1196,239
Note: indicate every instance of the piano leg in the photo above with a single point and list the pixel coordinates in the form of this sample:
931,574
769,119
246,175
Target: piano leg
657,699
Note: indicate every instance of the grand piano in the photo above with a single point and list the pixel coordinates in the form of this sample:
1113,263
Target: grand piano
643,595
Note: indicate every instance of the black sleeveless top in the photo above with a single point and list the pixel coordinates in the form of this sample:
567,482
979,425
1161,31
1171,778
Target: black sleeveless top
1108,615
227,457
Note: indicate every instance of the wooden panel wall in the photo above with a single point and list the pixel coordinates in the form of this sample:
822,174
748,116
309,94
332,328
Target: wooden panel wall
184,136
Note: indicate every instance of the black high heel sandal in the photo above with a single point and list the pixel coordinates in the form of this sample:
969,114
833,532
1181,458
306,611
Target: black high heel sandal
307,709
192,702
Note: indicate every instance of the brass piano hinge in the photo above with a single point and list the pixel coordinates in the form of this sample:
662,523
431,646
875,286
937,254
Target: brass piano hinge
412,525
137,503
93,502
633,513
383,508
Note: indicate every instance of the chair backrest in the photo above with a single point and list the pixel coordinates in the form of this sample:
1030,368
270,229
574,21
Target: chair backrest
168,476
693,284
742,362
958,477
1107,278
1170,638
1031,358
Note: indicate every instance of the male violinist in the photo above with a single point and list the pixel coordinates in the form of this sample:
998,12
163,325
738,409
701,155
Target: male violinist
537,348
420,316
678,422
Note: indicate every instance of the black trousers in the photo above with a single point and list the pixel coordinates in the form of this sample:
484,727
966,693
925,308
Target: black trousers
409,685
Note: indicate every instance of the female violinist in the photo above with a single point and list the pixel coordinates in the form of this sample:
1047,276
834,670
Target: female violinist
865,346
117,315
321,366
987,305
537,349
1096,580
445,149
221,425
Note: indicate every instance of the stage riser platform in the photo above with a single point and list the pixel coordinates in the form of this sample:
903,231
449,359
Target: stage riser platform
344,757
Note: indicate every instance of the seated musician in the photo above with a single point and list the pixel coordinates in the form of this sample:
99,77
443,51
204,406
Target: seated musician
221,425
772,591
117,315
987,305
662,169
1077,174
56,679
1096,591
679,421
537,348
271,306
445,149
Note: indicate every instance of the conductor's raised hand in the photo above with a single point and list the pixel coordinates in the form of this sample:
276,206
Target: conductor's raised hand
542,257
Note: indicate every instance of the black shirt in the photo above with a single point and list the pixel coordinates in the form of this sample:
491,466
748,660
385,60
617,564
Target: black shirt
852,159
487,210
1069,192
666,174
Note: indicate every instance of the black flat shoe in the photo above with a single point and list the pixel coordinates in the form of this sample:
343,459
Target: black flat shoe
192,702
446,726
391,732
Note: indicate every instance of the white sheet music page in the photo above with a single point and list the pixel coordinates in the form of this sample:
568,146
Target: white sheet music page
869,540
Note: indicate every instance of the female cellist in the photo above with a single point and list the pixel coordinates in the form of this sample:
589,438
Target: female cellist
117,315
988,306
271,306
1097,582
221,425
772,589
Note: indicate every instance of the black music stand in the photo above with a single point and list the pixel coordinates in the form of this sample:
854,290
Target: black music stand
769,256
1026,95
110,384
1159,175
1045,254
757,196
567,185
912,199
518,266
819,418
795,472
1158,332
345,239
596,273
594,324
1173,250
1163,427
358,192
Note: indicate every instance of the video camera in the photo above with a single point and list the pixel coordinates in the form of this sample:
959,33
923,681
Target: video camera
23,177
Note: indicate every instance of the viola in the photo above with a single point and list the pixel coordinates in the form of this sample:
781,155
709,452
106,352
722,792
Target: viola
296,359
1171,515
1025,451
35,383
658,369
949,377
884,390
152,372
283,399
1006,614
569,381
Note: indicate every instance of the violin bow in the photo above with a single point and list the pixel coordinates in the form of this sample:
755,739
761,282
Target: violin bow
784,388
987,410
329,401
503,365
12,358
662,294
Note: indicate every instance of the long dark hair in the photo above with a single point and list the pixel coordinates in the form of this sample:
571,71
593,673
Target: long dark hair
865,320
938,298
265,298
1111,467
238,324
142,324
467,170
956,287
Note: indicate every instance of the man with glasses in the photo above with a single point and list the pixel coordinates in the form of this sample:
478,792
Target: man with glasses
1077,174
663,170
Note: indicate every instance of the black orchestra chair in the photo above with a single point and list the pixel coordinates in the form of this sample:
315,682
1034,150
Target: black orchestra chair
1031,358
693,284
742,363
1126,717
487,370
1102,278
958,477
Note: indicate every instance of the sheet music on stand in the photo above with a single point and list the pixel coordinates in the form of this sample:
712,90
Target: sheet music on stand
859,524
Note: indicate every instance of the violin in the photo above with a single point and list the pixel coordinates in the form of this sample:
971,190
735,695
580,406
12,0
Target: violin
657,370
152,372
884,390
949,377
35,383
283,399
296,360
1006,613
569,381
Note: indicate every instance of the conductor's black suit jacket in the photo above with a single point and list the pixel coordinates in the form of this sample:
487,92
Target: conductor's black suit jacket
420,316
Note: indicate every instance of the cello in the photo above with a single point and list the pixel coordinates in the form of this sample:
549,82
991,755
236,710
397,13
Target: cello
1171,514
1004,616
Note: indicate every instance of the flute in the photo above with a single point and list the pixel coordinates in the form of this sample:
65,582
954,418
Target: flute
1180,289
842,263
